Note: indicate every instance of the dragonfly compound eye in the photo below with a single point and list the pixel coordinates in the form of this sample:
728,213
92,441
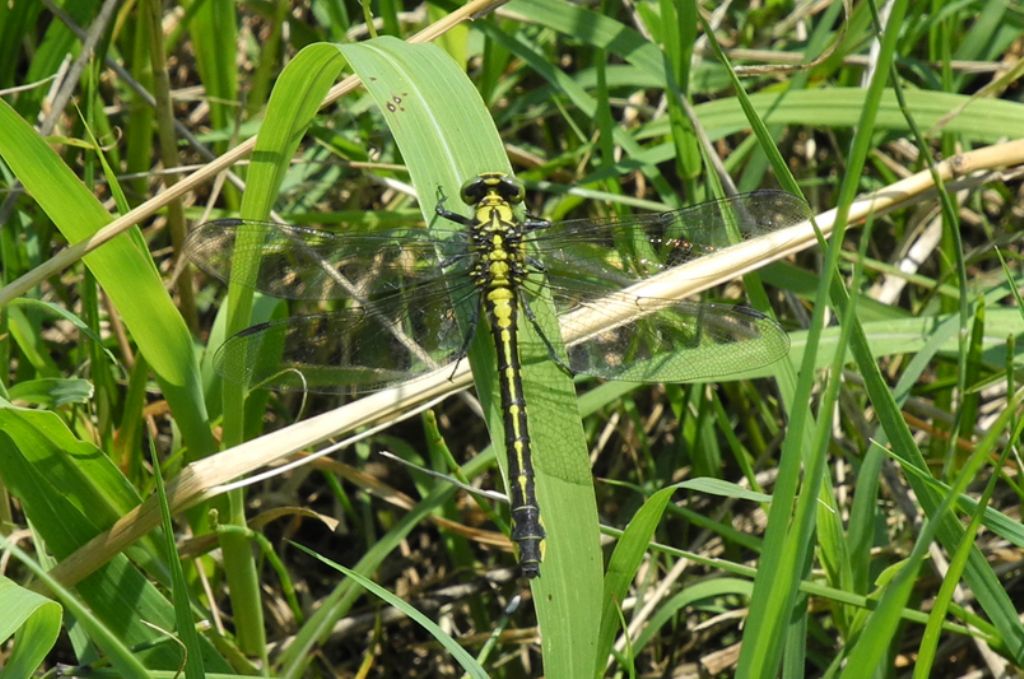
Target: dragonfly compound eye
474,190
511,189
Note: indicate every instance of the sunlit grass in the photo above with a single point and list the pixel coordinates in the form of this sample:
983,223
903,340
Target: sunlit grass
811,520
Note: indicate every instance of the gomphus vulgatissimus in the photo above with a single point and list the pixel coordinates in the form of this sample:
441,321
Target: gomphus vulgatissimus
399,291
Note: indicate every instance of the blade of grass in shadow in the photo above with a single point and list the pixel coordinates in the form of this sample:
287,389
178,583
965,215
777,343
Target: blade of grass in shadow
168,153
193,661
213,30
712,590
465,660
293,662
680,37
138,127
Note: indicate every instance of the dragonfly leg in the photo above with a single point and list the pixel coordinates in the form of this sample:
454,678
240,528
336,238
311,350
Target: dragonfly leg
442,211
464,349
698,328
552,354
535,223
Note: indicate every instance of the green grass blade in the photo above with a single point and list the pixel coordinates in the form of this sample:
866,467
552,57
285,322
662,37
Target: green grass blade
465,660
446,136
123,267
978,574
872,644
775,614
295,99
34,621
625,560
185,624
293,103
139,125
71,492
214,30
107,637
839,107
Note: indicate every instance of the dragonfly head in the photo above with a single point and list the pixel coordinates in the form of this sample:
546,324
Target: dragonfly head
493,188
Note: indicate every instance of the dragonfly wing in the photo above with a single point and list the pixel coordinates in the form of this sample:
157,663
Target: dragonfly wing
299,263
352,351
642,339
617,336
638,246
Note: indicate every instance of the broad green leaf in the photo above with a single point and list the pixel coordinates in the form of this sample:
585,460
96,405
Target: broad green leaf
446,136
34,621
124,269
71,492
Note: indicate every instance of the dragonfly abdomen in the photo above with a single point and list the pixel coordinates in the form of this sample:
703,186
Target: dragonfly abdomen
501,306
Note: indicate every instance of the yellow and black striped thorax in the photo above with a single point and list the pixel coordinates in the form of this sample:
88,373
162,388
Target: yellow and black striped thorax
496,236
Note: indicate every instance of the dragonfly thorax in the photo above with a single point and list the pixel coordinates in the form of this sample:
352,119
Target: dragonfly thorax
498,251
494,214
496,236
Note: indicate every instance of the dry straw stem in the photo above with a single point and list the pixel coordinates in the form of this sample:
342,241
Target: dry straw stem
199,480
70,255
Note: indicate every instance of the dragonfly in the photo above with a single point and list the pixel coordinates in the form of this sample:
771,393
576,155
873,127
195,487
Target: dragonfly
408,300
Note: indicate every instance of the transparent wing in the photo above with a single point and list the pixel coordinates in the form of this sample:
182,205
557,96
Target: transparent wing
403,324
299,263
359,351
638,246
629,338
356,350
642,339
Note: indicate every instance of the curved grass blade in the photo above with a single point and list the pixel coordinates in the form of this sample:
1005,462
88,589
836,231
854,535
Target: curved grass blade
468,662
297,94
124,269
446,136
